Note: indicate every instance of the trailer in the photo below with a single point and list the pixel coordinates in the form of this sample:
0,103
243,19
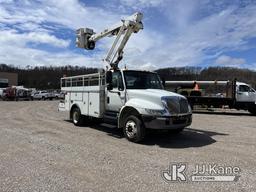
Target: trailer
234,94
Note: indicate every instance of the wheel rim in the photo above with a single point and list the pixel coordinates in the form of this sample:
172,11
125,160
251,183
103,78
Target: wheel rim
131,129
75,117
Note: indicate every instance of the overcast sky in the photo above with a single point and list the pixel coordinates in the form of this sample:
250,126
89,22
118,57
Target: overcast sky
176,32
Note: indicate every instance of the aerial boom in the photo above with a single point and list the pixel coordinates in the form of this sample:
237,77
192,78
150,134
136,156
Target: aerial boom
87,38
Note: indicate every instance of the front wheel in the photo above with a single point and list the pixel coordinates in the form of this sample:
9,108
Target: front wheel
134,129
77,117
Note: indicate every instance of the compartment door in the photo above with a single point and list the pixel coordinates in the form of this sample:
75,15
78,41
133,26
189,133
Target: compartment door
67,101
76,96
85,104
94,104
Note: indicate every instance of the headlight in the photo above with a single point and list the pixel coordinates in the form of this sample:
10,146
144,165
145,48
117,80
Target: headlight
155,112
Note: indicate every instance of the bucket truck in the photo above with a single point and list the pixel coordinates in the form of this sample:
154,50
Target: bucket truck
132,100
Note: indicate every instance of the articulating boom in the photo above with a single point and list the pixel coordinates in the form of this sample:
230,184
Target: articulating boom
86,38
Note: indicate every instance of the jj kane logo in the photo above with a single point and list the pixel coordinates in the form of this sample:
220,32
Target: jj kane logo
177,172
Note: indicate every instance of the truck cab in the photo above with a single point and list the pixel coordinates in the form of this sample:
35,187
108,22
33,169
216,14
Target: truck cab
245,93
245,97
132,100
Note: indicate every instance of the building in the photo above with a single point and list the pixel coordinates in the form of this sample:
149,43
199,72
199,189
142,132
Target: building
8,79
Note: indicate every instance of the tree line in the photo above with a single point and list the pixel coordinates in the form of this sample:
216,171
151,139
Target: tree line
208,74
49,77
45,77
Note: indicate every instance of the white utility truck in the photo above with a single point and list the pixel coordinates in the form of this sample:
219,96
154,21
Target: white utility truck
131,99
236,95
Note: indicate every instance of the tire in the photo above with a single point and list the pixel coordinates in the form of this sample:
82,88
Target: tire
134,129
76,117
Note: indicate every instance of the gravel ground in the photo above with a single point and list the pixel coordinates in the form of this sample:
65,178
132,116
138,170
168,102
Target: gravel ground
40,150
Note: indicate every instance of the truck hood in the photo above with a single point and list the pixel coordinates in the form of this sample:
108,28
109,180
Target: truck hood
148,98
146,93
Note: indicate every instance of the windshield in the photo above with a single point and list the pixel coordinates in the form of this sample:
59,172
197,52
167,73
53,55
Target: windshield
142,80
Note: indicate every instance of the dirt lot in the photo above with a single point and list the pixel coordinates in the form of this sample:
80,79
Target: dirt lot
41,151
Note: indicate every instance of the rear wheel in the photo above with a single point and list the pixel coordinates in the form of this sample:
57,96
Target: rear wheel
76,117
134,129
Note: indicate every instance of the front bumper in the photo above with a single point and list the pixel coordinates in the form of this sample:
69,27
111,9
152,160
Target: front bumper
169,122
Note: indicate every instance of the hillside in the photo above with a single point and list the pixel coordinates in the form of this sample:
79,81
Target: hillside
211,73
49,77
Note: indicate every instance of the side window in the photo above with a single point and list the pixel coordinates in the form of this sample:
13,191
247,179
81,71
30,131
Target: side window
117,81
244,88
130,81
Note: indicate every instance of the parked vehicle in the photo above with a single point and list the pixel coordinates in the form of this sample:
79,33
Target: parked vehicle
234,94
16,93
43,95
1,92
59,95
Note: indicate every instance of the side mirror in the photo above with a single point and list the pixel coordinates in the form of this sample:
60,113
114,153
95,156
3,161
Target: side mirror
109,80
109,77
109,87
163,82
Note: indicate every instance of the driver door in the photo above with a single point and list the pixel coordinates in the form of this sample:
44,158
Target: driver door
116,97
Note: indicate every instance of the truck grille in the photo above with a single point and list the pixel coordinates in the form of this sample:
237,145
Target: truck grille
183,105
177,105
